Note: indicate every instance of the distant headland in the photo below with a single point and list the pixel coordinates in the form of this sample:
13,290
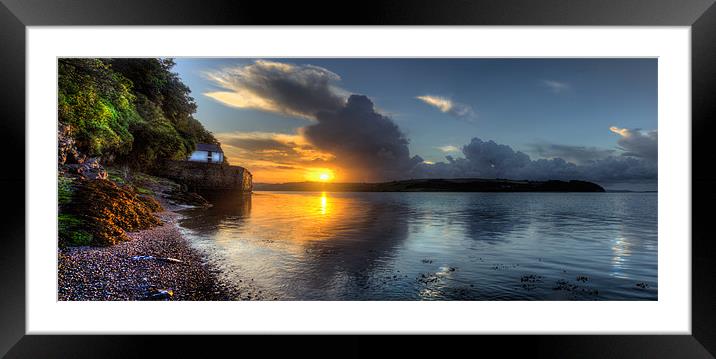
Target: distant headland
438,185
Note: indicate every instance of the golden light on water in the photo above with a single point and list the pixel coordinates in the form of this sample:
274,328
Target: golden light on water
324,203
305,218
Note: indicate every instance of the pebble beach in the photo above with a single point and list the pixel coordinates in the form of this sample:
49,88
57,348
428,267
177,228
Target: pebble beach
155,264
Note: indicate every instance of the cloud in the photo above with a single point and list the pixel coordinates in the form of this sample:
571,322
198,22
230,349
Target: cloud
492,159
368,143
637,143
575,154
350,135
448,148
264,152
488,159
258,145
348,132
620,131
368,146
287,89
556,86
632,143
276,157
448,106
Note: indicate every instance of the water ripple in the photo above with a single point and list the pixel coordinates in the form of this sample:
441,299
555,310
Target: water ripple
434,246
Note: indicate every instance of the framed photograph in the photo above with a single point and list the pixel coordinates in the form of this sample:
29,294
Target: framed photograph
474,168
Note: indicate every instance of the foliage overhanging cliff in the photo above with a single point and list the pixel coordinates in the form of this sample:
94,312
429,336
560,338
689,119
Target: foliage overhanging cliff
128,111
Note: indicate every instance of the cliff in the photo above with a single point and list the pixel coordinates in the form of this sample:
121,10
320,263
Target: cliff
440,185
199,176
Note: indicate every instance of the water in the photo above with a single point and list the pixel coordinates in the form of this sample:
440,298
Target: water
432,246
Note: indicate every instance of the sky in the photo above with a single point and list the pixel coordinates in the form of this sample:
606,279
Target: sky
364,119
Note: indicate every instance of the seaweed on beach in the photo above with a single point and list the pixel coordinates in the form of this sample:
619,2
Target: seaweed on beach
106,211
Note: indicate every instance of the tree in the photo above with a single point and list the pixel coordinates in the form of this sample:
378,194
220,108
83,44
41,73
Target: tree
169,99
98,106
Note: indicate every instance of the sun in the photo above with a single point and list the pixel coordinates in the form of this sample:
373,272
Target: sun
325,176
320,175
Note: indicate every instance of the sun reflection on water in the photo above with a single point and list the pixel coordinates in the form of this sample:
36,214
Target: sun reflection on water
303,218
326,245
324,203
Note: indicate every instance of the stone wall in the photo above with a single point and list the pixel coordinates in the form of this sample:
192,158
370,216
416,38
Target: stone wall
200,176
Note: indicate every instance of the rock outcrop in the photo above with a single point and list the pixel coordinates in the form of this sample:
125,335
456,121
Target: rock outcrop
66,148
71,160
199,176
90,169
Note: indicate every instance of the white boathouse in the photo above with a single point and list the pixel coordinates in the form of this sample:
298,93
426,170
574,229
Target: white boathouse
208,153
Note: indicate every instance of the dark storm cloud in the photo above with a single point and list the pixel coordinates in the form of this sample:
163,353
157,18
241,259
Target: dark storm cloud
363,139
612,169
358,137
492,158
574,154
293,90
487,159
349,133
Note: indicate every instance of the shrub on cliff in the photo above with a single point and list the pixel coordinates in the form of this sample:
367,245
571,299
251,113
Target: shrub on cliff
167,128
130,111
106,211
97,104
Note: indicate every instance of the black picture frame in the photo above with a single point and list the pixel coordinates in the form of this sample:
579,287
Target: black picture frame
700,15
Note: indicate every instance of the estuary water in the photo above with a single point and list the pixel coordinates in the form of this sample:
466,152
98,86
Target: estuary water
431,246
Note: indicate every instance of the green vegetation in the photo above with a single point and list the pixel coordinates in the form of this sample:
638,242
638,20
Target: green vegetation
134,112
141,182
98,104
143,190
71,232
64,190
70,227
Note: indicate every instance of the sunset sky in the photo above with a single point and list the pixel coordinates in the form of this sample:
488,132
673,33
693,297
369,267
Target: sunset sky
382,119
